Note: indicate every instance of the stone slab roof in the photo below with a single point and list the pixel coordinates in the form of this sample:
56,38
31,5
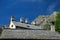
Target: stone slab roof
29,34
26,25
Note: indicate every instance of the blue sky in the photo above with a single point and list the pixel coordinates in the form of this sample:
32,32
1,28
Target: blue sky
26,8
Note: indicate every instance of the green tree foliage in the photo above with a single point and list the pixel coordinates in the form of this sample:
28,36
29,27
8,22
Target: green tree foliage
57,22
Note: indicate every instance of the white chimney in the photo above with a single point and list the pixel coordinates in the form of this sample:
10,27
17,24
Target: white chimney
26,21
52,28
34,22
21,20
12,18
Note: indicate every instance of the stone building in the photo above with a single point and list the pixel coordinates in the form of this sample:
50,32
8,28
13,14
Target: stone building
41,22
35,30
22,25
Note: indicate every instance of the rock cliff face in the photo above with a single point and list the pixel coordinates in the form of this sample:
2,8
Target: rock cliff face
29,34
44,21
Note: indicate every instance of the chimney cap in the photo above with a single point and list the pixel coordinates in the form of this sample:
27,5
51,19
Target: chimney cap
26,20
21,19
12,16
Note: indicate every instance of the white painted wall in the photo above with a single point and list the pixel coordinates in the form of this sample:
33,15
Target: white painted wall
10,26
52,28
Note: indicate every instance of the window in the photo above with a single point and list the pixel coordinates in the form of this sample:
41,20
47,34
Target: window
11,25
28,26
52,22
